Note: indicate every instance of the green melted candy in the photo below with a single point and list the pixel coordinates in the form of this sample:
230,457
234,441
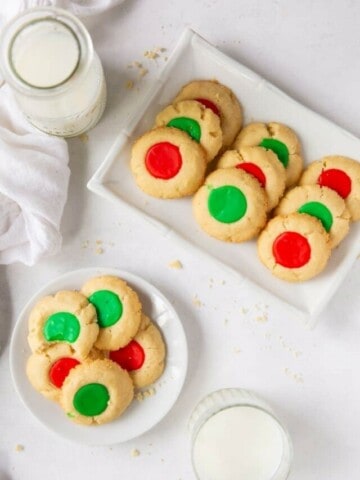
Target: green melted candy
320,211
91,399
108,307
279,148
188,125
61,326
227,204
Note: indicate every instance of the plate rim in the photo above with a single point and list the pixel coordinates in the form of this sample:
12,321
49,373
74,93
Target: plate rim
128,277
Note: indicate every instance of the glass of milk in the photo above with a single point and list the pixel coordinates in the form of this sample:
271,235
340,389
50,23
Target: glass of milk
47,58
236,436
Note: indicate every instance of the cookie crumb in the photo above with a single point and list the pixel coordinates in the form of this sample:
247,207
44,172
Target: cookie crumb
19,448
84,137
262,318
151,54
85,244
143,72
244,310
129,85
197,302
99,242
139,396
176,264
150,392
135,452
99,251
295,353
297,377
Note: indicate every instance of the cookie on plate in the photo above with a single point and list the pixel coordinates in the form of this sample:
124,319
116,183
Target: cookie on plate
341,174
167,163
67,317
263,165
144,356
47,371
322,203
294,248
201,123
118,310
221,100
231,205
96,392
279,138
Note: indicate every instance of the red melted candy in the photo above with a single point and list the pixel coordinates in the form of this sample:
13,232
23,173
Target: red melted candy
209,104
60,370
254,170
130,357
291,250
163,160
336,179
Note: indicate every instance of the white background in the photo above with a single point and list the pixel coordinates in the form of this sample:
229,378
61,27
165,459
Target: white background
312,51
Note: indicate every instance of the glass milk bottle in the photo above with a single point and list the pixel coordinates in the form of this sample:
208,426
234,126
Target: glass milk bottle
47,58
236,436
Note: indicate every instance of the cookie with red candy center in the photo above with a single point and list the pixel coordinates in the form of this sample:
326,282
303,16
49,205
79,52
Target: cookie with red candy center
261,164
167,163
144,356
295,247
221,100
48,370
341,174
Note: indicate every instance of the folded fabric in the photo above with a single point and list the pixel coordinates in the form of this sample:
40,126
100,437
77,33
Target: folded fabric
34,177
81,8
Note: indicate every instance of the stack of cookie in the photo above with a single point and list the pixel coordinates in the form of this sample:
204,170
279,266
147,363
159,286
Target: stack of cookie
255,168
92,348
312,219
251,177
170,161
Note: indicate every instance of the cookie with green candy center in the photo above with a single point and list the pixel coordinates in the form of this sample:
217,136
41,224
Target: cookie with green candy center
67,317
96,392
341,174
231,205
221,100
118,310
199,122
322,203
277,138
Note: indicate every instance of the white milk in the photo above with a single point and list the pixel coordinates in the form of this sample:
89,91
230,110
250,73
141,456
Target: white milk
238,443
45,54
58,81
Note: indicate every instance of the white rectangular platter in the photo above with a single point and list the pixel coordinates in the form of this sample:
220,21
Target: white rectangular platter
194,58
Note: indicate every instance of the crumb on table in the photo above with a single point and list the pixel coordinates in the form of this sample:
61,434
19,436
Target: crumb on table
197,302
135,452
19,448
176,264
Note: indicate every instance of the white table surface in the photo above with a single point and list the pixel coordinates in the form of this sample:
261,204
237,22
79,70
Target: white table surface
312,51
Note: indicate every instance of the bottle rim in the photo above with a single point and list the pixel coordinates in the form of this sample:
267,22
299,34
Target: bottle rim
32,16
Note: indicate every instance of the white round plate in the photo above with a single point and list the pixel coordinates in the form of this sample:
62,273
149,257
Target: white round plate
140,416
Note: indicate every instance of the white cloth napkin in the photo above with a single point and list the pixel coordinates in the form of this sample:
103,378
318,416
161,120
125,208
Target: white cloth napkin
34,177
81,8
34,172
